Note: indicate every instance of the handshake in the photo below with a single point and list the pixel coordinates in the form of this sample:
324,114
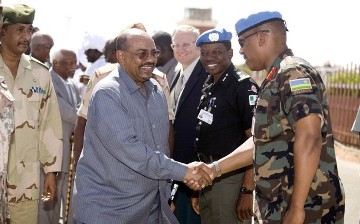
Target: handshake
199,174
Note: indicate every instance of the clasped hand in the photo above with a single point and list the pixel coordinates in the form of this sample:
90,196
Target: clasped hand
199,175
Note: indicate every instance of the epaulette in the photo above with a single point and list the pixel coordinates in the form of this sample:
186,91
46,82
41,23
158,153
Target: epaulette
38,62
240,76
291,62
106,69
157,72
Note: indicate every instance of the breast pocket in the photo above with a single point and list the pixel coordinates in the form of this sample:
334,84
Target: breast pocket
32,106
271,121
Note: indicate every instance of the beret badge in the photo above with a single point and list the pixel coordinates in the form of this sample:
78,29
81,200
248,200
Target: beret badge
213,37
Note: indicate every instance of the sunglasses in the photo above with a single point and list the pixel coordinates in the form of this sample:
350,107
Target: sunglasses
144,54
242,41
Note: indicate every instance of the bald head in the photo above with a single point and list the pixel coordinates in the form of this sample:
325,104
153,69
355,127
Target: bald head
41,38
126,35
40,45
64,63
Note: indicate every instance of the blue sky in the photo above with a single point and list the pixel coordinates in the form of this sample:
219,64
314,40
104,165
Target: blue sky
319,31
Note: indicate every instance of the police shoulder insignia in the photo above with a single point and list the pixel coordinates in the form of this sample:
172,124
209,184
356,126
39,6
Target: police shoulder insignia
299,86
240,76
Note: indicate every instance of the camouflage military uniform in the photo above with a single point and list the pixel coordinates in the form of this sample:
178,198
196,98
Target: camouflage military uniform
282,102
36,140
6,127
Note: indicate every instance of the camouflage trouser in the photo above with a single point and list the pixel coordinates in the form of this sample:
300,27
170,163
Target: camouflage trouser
24,212
267,212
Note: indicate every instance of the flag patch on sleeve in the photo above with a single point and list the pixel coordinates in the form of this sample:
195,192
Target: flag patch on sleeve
298,86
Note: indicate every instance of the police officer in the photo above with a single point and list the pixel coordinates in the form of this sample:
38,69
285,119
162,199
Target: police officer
36,142
224,122
296,175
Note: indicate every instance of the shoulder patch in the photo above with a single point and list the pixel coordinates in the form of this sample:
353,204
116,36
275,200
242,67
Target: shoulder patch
240,76
38,62
299,86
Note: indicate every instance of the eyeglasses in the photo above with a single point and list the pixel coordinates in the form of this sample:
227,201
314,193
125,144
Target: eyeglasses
184,45
242,41
144,54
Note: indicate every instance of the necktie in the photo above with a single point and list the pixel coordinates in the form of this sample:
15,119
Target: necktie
178,87
177,94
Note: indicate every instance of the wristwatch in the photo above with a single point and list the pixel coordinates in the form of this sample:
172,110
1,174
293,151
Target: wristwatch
244,190
217,168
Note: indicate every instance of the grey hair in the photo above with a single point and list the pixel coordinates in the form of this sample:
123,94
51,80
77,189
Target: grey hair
186,28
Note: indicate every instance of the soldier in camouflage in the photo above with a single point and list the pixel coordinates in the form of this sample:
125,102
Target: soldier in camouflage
295,166
6,128
36,141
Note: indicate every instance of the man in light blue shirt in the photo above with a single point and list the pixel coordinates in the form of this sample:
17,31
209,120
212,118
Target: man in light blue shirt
124,171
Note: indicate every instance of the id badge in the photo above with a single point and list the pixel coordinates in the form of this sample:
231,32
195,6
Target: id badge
205,116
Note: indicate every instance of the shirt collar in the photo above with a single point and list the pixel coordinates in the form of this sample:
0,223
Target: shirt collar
224,79
131,85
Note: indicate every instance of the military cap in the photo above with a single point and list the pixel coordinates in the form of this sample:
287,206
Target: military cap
213,36
255,20
18,13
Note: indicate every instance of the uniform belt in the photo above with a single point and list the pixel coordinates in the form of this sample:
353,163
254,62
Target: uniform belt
208,158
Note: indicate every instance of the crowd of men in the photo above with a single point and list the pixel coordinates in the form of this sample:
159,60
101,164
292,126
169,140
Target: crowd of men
163,128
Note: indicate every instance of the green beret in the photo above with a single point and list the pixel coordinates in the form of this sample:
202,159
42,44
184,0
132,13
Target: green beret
18,13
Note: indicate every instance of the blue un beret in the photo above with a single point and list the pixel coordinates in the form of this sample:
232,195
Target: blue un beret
255,20
213,36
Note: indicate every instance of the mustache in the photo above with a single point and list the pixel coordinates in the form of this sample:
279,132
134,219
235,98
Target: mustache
27,43
147,64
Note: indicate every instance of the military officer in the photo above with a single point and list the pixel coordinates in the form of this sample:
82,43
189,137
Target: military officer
224,122
36,143
296,175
